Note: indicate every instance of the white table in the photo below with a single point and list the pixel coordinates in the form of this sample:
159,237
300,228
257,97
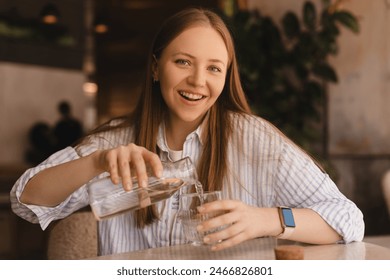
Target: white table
261,248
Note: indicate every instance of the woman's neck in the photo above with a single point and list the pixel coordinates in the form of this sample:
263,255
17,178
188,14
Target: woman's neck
177,132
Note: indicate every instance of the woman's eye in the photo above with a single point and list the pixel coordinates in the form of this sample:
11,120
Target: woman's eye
215,69
182,62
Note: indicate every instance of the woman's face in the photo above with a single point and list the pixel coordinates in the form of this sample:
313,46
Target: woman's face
192,71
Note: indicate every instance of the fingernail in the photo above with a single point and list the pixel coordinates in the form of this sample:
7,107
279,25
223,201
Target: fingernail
128,186
213,248
159,173
199,228
206,240
200,208
144,183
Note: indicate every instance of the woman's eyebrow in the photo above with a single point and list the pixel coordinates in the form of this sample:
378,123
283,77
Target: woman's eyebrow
215,60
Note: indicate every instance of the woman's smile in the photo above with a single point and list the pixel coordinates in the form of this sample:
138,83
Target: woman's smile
190,96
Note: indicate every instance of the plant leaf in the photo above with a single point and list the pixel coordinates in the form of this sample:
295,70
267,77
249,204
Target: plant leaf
348,20
309,15
314,89
326,72
291,25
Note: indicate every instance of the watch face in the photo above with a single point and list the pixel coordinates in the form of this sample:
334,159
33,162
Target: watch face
288,217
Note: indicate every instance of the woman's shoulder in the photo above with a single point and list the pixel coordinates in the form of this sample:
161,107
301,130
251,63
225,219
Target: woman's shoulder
255,136
252,123
114,132
115,122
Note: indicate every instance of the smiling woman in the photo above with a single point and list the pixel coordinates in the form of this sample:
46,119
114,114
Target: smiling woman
192,73
193,106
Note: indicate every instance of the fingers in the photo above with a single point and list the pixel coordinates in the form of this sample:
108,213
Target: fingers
228,236
154,162
123,167
226,205
125,162
232,235
237,239
229,229
140,159
138,165
110,159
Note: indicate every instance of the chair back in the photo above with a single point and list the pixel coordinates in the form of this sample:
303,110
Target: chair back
73,238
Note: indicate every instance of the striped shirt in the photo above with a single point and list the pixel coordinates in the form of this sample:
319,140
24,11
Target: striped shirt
264,169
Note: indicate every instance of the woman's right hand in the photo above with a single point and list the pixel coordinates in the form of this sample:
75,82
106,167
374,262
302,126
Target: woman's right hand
121,161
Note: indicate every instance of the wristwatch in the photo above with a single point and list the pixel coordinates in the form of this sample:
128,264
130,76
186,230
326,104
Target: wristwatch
287,221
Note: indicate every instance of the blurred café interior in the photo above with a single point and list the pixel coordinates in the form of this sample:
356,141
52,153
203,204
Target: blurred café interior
90,55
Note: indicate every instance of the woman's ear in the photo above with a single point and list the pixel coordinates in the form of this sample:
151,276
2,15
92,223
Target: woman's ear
154,69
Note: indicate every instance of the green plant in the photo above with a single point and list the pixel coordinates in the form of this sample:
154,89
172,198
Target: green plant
284,67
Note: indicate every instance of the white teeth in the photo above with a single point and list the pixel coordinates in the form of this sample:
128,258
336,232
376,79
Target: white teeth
190,96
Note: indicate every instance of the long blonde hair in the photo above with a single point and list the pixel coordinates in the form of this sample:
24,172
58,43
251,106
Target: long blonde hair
151,107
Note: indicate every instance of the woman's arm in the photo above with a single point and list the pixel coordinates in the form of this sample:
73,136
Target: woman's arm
248,222
53,185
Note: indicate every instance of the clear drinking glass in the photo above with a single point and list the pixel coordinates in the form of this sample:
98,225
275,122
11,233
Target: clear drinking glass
108,199
190,218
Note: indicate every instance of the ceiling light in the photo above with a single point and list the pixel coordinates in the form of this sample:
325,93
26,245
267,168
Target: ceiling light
50,14
100,25
90,89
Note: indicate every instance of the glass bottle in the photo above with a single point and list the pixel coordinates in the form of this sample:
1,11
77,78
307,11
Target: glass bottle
108,199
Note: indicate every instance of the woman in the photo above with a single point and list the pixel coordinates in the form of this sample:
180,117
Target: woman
192,104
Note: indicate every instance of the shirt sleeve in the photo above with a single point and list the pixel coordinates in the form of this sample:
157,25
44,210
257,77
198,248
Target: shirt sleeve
41,214
301,183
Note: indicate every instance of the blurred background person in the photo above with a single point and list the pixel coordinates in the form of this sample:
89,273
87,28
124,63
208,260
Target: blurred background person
68,129
42,143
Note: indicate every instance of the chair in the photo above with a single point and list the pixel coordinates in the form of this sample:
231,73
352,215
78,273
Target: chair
73,238
386,189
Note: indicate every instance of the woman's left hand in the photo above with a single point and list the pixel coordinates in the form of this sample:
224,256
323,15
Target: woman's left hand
244,222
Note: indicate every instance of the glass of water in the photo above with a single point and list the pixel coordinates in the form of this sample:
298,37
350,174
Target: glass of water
190,218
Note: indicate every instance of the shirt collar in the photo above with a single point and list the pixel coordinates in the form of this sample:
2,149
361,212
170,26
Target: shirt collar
198,132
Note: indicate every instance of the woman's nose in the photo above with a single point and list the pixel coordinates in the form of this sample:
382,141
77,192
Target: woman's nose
197,78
